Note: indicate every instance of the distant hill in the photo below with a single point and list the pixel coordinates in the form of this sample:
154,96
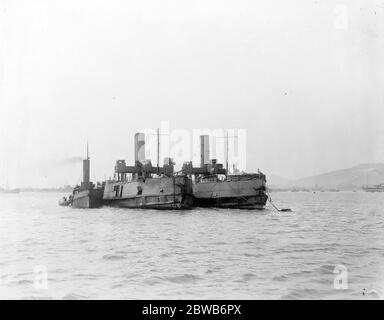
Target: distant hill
355,177
277,181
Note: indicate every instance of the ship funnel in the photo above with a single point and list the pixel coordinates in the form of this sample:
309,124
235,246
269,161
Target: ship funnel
139,147
86,170
204,150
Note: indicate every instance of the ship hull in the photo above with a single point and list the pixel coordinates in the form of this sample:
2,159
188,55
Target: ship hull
178,203
237,192
257,203
163,193
86,199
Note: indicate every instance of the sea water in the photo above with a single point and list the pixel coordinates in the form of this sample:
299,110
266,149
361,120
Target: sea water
331,246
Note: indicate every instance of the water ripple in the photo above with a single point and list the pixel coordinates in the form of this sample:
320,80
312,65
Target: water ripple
217,254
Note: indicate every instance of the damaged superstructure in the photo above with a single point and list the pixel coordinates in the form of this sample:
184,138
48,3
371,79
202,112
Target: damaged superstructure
214,187
147,186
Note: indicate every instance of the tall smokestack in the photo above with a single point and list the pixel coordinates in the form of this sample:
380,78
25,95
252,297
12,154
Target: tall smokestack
86,170
139,147
204,150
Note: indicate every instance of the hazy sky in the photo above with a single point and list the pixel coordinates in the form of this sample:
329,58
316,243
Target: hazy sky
304,78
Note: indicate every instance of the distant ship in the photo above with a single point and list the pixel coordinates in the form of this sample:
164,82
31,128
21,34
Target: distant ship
214,187
147,186
8,190
374,188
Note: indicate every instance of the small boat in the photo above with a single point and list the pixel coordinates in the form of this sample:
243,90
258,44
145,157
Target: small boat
64,202
87,195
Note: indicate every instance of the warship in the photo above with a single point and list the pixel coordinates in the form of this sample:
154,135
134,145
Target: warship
147,186
214,187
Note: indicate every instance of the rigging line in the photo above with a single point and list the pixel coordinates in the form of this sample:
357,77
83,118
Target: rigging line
273,205
78,179
271,202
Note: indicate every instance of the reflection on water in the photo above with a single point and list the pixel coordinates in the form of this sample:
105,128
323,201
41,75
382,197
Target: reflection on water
197,254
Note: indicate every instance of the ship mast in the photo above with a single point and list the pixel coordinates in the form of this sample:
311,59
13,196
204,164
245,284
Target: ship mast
226,157
86,170
158,148
226,144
